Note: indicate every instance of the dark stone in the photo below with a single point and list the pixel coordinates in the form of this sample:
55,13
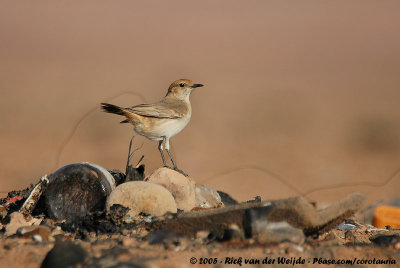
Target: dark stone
135,174
119,177
385,240
233,233
118,212
256,199
164,236
132,174
227,199
64,254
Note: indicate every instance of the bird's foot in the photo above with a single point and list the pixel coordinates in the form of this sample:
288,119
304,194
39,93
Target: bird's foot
181,171
178,170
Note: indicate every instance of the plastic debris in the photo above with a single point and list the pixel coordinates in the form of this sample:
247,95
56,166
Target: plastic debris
386,216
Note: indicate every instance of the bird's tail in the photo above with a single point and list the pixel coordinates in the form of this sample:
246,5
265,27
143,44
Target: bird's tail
113,109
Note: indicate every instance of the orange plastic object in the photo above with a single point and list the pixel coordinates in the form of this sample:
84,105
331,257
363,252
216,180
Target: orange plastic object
386,215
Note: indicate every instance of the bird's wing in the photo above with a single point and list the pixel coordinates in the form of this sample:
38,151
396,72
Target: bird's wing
157,110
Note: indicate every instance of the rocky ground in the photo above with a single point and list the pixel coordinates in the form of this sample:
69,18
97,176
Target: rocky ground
134,248
281,233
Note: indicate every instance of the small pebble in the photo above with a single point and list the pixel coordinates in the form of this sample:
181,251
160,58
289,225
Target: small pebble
37,238
346,226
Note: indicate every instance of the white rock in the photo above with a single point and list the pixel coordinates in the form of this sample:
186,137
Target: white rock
207,197
143,197
181,187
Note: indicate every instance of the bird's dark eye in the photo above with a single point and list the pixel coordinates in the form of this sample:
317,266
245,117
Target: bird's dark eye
181,84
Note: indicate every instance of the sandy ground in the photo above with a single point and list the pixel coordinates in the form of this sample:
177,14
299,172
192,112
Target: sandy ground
307,92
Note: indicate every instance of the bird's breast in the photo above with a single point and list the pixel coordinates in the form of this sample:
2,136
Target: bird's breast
171,127
157,128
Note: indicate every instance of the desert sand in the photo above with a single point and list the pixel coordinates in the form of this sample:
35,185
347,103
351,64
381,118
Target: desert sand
306,91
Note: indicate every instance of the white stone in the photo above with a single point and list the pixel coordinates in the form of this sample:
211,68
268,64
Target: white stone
142,197
37,238
181,187
207,197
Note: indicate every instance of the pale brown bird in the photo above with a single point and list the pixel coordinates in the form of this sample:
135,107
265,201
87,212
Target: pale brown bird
161,120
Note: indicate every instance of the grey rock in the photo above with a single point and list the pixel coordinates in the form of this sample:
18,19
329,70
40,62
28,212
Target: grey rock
277,232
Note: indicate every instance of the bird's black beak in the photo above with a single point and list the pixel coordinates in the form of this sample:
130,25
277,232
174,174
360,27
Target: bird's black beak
197,85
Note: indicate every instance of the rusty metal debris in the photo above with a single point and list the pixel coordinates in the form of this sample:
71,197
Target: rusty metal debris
77,189
249,216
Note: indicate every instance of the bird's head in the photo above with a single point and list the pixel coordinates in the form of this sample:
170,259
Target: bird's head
182,88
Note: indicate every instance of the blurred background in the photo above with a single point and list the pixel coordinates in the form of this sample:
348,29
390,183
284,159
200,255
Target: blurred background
305,93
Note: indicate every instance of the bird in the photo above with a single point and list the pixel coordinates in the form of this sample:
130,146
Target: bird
161,120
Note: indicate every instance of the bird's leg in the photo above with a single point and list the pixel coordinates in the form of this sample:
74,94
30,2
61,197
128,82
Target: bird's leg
160,148
172,159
